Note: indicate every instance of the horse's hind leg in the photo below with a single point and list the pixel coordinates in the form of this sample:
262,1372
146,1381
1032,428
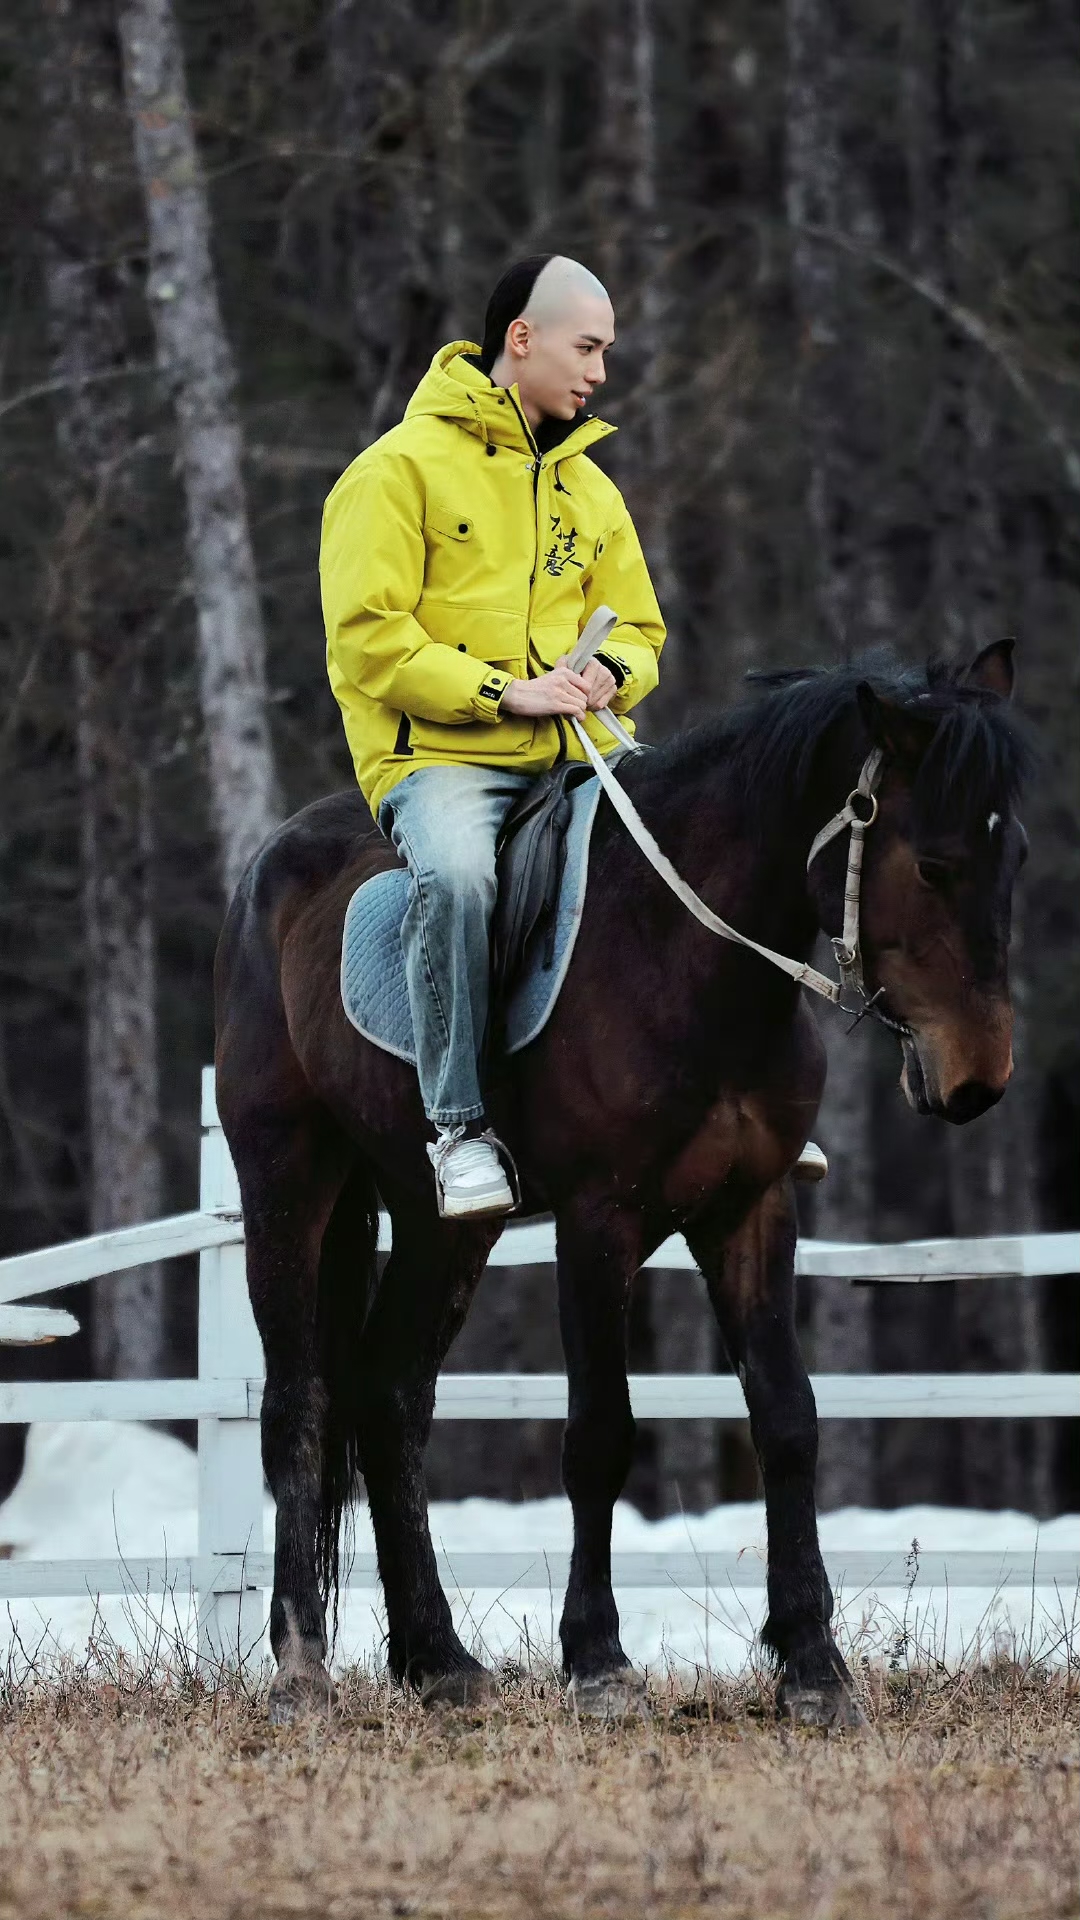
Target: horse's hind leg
750,1275
422,1300
290,1175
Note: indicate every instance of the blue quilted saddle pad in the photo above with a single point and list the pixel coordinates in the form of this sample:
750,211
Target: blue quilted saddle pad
373,989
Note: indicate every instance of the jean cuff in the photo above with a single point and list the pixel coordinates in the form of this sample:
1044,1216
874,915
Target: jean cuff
459,1119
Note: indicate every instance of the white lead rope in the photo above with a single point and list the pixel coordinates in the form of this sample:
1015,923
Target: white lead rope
846,948
807,976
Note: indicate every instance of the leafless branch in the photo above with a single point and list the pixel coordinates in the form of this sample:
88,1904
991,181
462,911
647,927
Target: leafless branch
298,459
62,384
974,327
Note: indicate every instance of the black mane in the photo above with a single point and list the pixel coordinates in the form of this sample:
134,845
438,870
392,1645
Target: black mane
977,761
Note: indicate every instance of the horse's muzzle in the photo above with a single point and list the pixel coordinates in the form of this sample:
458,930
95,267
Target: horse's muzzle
968,1101
965,1101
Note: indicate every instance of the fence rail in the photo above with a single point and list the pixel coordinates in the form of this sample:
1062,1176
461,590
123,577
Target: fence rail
231,1569
1012,1256
849,1569
542,1396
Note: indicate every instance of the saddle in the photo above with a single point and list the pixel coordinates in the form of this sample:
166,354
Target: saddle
530,856
542,859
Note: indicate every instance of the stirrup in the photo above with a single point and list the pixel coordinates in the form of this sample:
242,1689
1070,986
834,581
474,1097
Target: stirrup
451,1137
812,1164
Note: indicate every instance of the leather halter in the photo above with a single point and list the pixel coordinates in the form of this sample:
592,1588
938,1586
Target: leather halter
858,812
862,796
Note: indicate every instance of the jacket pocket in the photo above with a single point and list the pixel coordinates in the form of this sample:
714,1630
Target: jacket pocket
485,633
552,639
475,743
444,524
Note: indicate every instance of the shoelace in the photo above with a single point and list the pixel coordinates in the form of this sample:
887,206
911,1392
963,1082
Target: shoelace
470,1156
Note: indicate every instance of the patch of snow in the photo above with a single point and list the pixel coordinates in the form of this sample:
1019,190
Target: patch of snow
95,1489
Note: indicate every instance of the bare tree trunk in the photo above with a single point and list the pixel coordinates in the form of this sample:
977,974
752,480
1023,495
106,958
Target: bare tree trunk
384,202
837,397
610,214
196,361
965,594
737,623
683,1329
450,136
543,143
991,1163
654,325
814,199
91,604
656,352
607,192
129,1323
850,598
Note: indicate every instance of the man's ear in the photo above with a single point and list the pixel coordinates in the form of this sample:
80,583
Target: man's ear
517,335
901,734
992,670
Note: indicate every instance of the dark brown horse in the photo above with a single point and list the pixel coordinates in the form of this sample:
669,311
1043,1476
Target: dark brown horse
671,1091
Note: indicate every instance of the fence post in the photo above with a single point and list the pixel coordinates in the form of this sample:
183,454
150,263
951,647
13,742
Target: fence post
230,1464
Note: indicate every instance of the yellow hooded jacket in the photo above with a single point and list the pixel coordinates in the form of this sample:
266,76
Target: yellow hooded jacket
455,558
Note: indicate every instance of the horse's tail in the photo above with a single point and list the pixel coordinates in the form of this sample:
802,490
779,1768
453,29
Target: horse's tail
347,1280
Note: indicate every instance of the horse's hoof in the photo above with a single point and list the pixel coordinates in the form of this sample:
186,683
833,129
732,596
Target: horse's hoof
832,1708
610,1696
296,1694
462,1687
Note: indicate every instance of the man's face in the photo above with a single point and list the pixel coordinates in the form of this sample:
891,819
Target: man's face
563,362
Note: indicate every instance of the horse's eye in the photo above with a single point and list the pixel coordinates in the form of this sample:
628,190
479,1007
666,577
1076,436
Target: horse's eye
934,873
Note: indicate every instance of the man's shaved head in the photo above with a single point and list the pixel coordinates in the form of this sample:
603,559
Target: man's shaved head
559,287
549,324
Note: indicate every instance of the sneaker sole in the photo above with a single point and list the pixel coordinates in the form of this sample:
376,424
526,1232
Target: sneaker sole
482,1208
811,1168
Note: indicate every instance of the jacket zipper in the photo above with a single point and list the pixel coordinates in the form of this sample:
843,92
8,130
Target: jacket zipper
527,431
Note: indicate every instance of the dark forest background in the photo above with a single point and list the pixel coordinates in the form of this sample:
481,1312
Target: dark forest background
843,244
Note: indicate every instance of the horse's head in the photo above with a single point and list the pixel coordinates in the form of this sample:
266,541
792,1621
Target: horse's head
939,868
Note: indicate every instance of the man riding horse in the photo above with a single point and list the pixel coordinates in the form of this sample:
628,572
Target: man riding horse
462,554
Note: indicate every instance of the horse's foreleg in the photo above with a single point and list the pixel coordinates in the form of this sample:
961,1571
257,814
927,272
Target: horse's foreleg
423,1297
597,1258
751,1278
286,1208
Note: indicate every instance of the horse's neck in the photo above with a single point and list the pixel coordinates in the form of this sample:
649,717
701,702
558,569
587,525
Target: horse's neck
747,864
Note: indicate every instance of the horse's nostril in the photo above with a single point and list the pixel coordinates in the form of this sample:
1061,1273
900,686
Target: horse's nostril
966,1102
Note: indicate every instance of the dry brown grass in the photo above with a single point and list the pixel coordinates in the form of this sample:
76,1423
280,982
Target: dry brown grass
142,1795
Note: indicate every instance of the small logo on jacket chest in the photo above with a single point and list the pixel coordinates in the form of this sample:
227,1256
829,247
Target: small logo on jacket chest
562,552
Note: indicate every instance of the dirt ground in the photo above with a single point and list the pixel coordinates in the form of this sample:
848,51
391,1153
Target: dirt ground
121,1797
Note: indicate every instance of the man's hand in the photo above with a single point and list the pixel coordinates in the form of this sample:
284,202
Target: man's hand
561,691
601,683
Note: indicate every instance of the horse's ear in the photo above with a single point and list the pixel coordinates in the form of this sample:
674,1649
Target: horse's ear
903,735
992,670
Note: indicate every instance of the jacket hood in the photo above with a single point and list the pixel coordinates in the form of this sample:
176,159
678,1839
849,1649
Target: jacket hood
456,388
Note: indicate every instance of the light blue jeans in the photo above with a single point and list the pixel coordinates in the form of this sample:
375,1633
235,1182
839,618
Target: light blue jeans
444,822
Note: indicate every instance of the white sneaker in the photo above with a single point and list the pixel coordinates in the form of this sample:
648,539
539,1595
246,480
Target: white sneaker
470,1180
811,1164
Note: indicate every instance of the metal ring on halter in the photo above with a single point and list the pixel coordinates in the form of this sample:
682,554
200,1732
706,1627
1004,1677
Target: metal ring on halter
871,799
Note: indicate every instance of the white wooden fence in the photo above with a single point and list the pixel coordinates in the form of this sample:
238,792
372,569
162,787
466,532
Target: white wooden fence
231,1568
